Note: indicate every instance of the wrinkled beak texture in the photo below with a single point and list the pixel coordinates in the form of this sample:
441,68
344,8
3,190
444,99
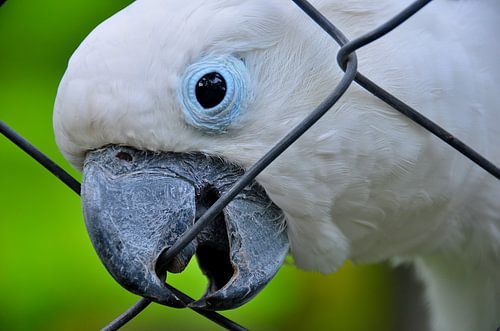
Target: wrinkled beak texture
131,217
137,204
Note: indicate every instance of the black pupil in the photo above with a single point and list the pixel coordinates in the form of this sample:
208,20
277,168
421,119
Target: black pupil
210,90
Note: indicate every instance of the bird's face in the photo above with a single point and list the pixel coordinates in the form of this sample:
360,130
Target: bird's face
163,106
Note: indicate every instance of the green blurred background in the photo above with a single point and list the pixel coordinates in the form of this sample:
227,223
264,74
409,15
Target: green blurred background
50,277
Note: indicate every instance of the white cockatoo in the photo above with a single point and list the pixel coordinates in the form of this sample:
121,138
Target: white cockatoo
165,105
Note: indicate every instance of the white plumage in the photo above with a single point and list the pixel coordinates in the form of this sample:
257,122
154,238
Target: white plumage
364,183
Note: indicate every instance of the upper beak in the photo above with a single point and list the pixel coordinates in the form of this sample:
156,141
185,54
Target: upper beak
136,204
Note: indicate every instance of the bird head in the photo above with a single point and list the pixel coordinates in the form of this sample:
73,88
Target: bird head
167,103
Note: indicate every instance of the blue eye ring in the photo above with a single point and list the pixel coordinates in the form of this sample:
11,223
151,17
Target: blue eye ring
216,119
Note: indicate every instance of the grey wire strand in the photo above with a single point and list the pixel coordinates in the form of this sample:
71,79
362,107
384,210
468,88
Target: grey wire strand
399,105
213,316
380,31
429,125
128,315
43,159
143,303
322,21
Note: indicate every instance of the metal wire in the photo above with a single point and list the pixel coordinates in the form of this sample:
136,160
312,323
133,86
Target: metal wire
128,315
46,162
143,303
347,60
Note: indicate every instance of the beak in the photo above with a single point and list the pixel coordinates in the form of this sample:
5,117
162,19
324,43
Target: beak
136,204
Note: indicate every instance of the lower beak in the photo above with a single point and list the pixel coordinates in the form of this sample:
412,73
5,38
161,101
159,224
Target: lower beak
136,204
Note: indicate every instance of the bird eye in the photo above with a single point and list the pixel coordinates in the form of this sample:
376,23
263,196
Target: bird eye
214,92
211,90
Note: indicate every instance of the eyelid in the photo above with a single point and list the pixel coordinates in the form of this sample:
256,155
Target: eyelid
216,119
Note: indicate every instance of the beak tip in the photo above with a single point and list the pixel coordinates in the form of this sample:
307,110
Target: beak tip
216,302
164,296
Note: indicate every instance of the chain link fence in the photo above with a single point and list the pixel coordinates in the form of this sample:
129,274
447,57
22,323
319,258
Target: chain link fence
346,59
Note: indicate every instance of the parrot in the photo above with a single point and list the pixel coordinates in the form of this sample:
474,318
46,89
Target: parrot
167,103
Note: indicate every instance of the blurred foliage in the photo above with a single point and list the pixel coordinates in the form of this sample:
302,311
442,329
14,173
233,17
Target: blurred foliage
50,277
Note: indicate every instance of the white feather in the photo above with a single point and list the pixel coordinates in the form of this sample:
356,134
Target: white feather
365,183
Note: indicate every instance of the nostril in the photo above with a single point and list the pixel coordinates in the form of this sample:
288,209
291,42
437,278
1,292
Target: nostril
124,156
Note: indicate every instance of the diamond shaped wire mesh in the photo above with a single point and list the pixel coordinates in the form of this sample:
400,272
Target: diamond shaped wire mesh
346,58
